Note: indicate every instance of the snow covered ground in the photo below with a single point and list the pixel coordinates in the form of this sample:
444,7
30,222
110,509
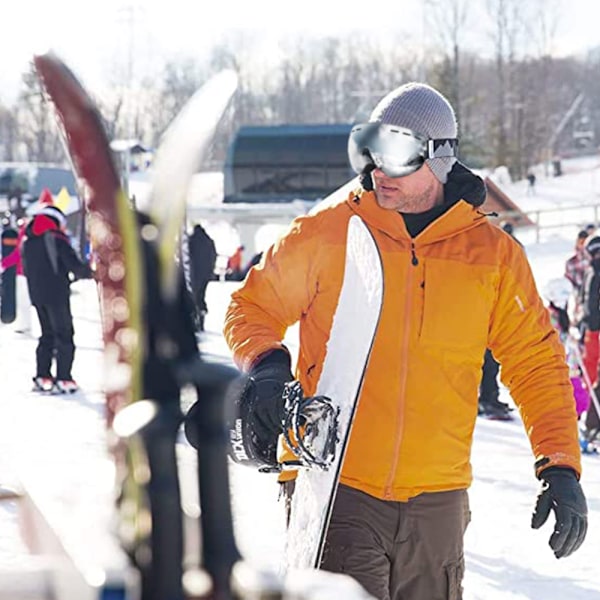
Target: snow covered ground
57,445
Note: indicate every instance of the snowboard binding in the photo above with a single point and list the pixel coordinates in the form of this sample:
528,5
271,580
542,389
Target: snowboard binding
310,428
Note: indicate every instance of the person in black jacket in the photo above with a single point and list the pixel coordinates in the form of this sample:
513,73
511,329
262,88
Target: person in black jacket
202,256
49,260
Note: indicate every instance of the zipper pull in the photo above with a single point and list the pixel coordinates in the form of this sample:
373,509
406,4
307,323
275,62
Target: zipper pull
414,261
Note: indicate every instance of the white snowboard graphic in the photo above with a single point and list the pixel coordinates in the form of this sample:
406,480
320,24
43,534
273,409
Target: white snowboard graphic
354,325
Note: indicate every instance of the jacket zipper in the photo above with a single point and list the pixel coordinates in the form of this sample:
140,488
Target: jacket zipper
404,370
414,260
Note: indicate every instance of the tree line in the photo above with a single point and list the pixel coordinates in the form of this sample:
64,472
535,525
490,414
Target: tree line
517,103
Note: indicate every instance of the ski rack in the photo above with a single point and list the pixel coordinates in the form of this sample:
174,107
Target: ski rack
150,345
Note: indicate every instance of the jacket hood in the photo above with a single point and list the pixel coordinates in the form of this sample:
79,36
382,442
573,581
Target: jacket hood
463,184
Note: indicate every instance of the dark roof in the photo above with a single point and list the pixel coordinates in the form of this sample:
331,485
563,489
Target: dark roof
497,201
293,130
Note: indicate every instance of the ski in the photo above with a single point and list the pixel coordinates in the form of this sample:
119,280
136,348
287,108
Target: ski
150,347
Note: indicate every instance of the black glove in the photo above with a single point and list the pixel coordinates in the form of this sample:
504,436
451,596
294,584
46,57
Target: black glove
268,377
562,493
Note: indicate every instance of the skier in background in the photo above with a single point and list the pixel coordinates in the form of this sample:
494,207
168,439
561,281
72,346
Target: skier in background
531,187
202,257
49,260
591,324
454,286
575,269
577,264
234,265
23,320
490,405
557,293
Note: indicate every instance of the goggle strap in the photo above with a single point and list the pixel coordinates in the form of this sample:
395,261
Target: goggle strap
442,148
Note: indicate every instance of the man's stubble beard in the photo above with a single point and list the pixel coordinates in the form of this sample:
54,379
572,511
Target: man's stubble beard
412,202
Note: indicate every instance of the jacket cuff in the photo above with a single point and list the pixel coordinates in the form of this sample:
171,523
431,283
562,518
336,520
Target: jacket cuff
558,460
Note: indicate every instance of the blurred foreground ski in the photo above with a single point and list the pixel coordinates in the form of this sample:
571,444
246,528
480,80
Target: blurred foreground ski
150,347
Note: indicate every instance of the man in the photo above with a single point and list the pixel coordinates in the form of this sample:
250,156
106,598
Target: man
49,260
454,285
202,256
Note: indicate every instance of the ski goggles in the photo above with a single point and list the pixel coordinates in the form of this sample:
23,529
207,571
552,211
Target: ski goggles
397,151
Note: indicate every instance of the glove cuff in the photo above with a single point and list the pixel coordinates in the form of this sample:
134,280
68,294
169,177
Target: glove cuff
557,470
278,358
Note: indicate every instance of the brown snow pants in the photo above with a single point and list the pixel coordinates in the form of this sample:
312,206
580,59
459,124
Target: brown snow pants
400,550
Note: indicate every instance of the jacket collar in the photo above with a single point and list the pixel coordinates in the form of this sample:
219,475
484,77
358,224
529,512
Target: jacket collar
464,193
41,224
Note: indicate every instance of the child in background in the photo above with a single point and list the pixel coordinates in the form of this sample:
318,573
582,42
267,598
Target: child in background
557,292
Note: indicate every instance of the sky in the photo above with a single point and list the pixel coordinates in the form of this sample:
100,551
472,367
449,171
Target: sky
67,471
97,39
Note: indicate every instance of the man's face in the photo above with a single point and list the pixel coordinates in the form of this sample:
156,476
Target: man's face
415,193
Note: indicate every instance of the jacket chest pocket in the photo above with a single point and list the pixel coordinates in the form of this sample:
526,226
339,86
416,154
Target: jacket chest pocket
457,305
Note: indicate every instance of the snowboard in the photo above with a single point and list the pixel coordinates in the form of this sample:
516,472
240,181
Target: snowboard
8,297
354,326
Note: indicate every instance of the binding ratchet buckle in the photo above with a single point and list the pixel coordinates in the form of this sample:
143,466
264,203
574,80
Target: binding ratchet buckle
310,428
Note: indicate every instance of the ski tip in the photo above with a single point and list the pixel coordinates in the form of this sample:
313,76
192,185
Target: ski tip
48,59
55,76
43,50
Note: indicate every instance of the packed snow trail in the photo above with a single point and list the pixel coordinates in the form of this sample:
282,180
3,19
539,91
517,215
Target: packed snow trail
59,441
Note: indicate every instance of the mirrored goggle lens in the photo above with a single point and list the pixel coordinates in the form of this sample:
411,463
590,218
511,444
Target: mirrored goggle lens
395,150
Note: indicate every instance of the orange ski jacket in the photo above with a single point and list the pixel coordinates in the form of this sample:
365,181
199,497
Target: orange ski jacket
462,285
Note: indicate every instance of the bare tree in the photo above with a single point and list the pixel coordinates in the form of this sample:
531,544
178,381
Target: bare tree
449,21
542,24
509,98
507,27
37,129
8,135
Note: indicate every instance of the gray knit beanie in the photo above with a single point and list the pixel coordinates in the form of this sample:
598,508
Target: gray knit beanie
419,107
